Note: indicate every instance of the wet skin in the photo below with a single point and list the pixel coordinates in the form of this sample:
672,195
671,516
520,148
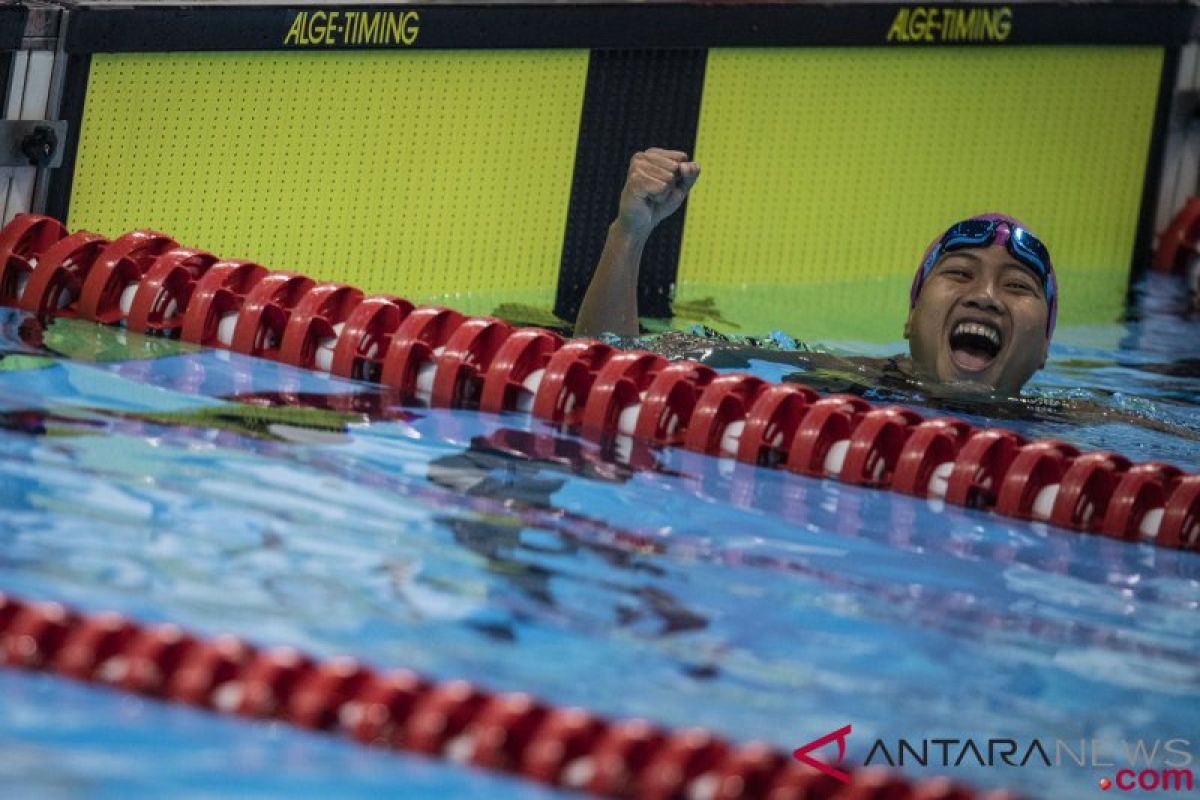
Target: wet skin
979,325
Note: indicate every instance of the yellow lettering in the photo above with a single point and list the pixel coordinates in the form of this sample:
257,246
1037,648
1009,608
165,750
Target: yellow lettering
899,29
1003,23
933,25
948,24
411,26
316,28
295,32
332,28
989,25
955,28
371,29
916,24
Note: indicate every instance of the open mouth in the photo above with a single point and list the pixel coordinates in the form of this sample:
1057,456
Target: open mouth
974,345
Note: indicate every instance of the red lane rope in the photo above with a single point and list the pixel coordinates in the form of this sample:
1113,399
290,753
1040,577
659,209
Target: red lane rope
512,733
1180,240
443,358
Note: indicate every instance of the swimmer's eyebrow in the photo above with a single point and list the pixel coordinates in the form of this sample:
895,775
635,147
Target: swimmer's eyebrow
961,254
1007,265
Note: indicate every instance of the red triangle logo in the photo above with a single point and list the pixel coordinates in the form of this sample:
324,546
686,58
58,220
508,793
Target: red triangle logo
801,753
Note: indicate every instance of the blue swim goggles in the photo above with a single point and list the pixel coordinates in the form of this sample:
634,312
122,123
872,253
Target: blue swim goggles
1020,243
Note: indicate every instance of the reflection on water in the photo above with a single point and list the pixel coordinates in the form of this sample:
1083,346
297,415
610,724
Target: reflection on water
232,495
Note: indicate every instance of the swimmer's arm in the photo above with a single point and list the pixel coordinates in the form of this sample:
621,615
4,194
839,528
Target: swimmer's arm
1087,412
610,305
656,186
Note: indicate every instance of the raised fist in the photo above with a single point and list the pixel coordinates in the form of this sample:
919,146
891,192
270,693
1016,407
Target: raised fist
658,183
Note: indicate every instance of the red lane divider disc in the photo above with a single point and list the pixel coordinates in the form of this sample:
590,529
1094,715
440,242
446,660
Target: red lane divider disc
265,683
165,290
930,445
413,345
772,421
313,321
564,737
503,731
828,421
618,384
618,759
1181,234
360,348
149,662
91,643
117,270
724,401
1085,490
670,400
526,351
379,714
204,668
219,292
465,359
876,445
34,635
682,759
1141,490
265,314
441,715
1035,467
318,696
1181,517
22,242
570,373
57,280
980,467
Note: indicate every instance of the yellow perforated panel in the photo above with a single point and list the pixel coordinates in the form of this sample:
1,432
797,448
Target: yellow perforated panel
419,173
826,173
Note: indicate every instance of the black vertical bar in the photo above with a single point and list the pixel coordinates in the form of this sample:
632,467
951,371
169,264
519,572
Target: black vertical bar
58,198
1152,183
634,99
6,65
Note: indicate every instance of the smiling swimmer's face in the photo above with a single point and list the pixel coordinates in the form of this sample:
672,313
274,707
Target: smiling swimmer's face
979,323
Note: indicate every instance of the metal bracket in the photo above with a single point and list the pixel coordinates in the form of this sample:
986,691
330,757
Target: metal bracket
41,25
32,143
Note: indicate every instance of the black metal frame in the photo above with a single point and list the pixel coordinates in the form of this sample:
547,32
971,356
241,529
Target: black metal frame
669,40
6,66
58,196
12,31
1152,182
12,27
658,96
106,28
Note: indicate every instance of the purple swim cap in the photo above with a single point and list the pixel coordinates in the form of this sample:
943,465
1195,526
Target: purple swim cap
1001,237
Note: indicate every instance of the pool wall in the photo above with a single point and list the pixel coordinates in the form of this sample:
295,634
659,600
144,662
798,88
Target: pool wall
474,155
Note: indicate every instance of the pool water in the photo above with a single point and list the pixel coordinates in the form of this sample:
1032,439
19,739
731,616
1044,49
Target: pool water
229,494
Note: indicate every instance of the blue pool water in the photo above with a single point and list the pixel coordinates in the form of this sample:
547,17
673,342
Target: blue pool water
692,592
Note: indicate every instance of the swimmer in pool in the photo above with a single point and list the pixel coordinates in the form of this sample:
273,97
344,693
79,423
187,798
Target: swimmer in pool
981,311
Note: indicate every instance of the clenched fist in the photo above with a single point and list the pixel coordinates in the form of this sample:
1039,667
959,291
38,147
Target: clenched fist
657,184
